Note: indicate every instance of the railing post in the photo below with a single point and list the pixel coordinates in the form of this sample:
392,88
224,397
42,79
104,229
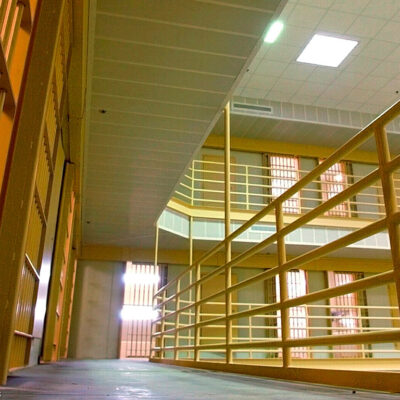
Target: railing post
190,264
281,248
197,314
360,328
192,186
162,328
251,333
177,308
153,325
389,196
228,250
247,188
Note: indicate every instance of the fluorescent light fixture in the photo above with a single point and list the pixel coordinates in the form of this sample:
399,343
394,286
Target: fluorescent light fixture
326,50
273,32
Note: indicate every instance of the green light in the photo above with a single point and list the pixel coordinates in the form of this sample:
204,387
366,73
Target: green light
273,32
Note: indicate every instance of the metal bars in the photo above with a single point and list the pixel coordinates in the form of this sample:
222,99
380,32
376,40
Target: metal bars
256,186
390,221
141,282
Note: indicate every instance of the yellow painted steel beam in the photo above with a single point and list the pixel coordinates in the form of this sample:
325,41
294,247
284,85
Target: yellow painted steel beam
228,243
391,207
283,286
354,338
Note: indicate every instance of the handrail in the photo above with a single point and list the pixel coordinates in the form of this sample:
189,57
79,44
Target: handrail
175,306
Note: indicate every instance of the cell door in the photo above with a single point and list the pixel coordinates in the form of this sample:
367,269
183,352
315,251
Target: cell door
141,283
345,318
297,287
333,182
284,173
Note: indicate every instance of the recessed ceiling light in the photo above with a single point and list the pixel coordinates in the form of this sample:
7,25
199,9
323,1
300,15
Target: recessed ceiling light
273,32
326,50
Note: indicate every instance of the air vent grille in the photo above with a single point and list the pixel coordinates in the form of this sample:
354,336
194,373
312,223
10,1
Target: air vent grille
253,109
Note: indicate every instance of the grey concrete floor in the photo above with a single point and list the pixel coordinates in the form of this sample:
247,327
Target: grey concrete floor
125,379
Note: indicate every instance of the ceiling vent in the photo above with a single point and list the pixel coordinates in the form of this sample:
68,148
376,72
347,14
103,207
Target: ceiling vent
251,109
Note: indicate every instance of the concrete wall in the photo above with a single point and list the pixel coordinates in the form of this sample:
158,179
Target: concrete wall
95,325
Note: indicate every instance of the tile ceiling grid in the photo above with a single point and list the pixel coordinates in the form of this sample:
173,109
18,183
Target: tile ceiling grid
161,72
366,81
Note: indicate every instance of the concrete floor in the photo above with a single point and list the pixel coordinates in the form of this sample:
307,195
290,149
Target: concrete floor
125,379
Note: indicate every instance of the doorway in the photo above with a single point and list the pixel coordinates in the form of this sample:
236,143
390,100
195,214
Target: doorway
141,283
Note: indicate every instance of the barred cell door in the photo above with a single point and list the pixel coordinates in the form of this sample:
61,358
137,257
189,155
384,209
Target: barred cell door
345,314
141,283
297,286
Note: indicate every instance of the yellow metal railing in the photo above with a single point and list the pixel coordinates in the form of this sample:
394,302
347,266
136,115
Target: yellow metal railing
184,293
259,327
253,186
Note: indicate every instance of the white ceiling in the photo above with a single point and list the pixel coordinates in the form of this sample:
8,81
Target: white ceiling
366,81
163,70
159,74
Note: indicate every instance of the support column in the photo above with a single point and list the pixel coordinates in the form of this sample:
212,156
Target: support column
228,249
285,328
29,124
177,307
389,196
197,313
190,264
155,301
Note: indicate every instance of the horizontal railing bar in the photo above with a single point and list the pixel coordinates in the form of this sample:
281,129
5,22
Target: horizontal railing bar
313,254
319,295
356,338
310,305
297,261
372,281
347,148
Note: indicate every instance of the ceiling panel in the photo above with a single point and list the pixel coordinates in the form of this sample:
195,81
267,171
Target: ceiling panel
367,81
126,104
159,76
205,15
189,37
167,93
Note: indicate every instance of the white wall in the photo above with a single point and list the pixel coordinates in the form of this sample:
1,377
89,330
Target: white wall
95,325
